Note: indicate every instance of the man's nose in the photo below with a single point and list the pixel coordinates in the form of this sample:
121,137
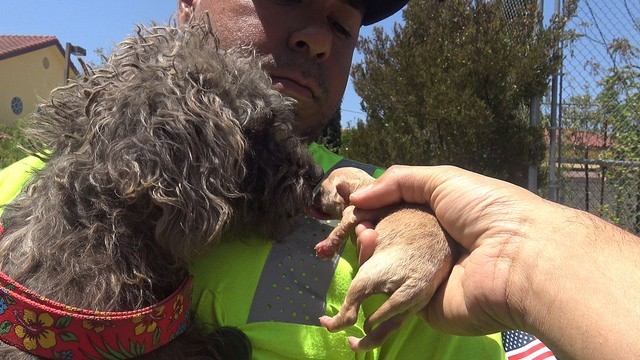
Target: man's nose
313,39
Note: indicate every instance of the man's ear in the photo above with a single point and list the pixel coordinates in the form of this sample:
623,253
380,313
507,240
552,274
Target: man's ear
185,11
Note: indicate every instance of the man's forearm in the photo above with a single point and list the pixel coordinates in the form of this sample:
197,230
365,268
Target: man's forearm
584,285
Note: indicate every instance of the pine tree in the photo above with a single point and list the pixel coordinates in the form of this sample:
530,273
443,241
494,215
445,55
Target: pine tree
453,85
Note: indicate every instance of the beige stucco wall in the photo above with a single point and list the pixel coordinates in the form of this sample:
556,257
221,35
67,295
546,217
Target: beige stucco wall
26,76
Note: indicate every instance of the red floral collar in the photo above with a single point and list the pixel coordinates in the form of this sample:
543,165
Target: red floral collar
52,330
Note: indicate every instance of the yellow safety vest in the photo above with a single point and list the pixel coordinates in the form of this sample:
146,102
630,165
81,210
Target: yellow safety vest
275,292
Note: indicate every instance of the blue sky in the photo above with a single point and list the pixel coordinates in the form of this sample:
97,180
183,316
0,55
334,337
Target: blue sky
100,24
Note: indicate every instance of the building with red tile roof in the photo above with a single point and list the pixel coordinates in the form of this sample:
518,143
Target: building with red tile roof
30,67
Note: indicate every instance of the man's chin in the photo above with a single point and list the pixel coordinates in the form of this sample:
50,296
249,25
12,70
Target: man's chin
309,134
311,128
310,137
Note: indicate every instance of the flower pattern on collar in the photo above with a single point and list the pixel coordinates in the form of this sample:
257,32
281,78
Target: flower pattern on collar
52,330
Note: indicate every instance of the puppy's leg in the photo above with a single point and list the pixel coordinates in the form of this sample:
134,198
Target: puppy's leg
351,217
332,200
413,256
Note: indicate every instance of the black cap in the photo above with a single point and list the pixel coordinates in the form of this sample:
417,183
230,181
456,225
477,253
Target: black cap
376,10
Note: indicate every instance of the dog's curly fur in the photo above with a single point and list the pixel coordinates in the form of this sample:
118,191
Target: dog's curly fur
149,159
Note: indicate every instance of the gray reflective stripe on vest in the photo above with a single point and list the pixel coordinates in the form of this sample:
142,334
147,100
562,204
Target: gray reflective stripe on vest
294,281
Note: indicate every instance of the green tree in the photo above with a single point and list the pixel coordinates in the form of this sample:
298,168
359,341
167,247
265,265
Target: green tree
604,130
619,108
11,141
453,85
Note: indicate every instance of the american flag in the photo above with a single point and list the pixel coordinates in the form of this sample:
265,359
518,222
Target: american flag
522,346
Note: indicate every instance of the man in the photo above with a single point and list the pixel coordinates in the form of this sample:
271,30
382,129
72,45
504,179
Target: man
307,45
272,293
275,292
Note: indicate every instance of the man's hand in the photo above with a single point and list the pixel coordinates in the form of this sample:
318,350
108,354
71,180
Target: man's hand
403,234
473,213
561,274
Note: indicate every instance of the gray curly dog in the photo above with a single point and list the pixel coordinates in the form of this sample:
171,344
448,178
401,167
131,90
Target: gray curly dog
149,159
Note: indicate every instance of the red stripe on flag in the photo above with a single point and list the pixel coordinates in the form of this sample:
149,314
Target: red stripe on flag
546,355
529,351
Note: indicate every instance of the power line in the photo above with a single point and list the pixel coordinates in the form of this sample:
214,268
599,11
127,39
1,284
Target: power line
352,111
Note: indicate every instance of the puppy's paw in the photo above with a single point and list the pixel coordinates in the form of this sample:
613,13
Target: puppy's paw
351,217
376,337
328,247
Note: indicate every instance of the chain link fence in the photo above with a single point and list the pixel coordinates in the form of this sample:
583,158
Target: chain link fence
595,114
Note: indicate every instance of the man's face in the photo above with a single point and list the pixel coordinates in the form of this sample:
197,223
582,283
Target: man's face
307,46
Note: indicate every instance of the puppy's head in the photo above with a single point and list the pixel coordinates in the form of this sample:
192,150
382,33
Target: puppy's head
179,139
332,195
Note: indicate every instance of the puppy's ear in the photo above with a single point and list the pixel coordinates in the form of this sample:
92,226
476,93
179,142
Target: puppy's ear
344,190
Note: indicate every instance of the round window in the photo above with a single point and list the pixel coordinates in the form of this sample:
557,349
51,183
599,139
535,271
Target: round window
16,105
45,62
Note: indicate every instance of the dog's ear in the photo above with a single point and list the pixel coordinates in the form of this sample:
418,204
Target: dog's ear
177,187
199,167
180,149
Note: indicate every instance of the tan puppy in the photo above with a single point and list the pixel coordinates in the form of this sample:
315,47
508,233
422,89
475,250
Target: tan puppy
413,256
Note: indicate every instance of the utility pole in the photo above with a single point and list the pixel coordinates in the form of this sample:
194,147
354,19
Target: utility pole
71,50
553,122
534,119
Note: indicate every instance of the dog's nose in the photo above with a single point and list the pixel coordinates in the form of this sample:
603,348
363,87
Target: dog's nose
316,174
316,200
